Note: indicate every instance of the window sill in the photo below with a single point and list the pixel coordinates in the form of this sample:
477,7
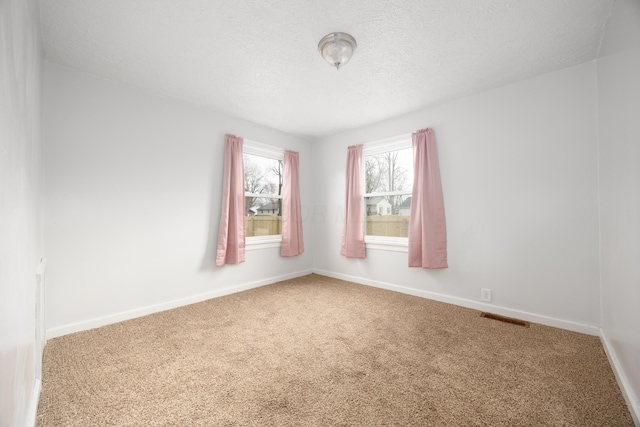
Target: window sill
263,242
393,244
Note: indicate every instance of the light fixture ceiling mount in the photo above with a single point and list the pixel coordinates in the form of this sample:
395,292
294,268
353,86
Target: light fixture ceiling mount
337,48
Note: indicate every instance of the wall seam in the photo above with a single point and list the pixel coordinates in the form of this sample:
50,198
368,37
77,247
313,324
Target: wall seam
599,201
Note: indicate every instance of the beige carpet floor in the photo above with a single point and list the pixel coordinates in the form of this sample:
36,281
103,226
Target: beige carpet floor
316,351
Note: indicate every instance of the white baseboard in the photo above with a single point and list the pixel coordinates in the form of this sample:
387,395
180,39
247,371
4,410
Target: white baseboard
519,314
33,406
143,311
623,381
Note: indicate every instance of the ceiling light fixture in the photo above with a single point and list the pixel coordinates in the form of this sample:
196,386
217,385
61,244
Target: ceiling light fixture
337,48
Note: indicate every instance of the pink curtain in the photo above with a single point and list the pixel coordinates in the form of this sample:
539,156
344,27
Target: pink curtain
353,231
231,233
427,228
292,243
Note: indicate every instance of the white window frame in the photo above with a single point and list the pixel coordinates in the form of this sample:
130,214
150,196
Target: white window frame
400,142
269,151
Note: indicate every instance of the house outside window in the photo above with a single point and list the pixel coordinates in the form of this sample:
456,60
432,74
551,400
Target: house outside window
388,181
263,177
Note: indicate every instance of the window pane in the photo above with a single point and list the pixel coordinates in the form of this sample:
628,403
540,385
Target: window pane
263,217
388,216
262,175
390,171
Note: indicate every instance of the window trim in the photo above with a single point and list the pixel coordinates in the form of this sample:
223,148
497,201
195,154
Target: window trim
393,244
399,142
263,242
263,150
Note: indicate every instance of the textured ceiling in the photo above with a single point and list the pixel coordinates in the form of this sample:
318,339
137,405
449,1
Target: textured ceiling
258,60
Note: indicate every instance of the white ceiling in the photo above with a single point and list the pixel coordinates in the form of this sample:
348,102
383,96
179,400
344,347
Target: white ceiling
258,60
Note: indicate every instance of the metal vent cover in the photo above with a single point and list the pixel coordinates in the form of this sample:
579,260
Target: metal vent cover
505,319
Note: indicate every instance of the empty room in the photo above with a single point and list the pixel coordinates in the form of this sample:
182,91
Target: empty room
295,213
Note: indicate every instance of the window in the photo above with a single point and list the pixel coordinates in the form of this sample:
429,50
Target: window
388,180
263,174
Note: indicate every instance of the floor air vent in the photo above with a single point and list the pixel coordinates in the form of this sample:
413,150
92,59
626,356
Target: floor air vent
505,319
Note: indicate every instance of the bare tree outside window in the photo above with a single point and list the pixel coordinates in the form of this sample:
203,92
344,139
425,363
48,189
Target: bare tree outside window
278,171
375,170
388,185
254,182
397,173
263,178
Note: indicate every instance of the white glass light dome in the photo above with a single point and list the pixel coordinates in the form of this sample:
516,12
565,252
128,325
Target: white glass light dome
337,48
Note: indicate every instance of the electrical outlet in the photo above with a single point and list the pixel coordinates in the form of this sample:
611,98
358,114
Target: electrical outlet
485,295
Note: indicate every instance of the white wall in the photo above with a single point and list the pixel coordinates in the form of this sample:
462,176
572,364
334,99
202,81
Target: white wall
519,172
132,202
20,213
619,140
132,197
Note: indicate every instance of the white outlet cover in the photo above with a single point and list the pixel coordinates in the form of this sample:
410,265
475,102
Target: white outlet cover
485,295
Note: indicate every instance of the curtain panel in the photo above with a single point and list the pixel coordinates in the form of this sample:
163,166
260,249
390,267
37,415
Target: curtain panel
353,230
231,232
427,228
292,242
